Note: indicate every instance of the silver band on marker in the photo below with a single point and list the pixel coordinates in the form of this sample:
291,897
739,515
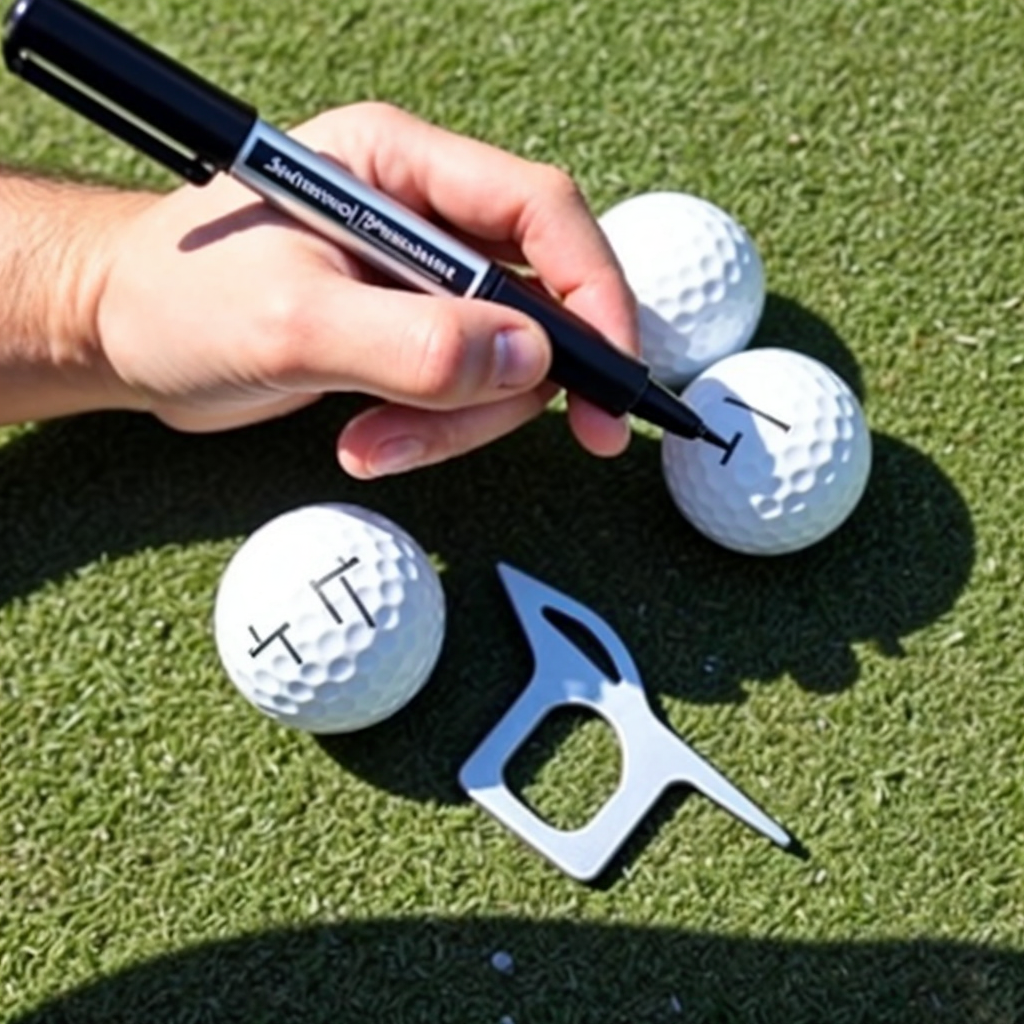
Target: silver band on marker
336,204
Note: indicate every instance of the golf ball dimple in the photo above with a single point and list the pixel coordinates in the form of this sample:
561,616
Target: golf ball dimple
799,457
329,618
697,277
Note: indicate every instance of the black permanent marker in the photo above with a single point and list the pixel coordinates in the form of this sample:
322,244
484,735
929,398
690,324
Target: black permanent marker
197,130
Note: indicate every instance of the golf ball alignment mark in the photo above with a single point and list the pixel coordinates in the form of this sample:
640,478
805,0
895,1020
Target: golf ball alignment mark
784,427
329,618
339,574
732,446
318,586
281,633
791,476
734,443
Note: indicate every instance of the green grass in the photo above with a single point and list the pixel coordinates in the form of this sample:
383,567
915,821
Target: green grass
167,855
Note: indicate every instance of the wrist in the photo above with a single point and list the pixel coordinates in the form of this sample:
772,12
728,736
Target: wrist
93,242
59,243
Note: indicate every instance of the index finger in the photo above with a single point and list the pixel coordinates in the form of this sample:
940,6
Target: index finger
489,194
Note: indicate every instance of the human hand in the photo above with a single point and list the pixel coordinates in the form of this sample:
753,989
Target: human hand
218,311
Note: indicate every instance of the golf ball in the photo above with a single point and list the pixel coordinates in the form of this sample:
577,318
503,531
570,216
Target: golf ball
799,455
697,278
329,618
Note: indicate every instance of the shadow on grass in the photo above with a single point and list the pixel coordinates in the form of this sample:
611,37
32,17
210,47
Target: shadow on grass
703,624
787,324
440,970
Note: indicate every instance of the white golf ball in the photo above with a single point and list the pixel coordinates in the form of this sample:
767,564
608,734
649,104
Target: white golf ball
799,457
696,275
329,618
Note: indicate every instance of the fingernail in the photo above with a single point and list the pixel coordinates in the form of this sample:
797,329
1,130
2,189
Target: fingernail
396,456
521,357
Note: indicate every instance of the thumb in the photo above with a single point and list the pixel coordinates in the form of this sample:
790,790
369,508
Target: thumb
419,350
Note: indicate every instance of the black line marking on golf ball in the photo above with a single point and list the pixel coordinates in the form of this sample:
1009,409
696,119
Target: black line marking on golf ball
727,454
278,634
757,412
339,574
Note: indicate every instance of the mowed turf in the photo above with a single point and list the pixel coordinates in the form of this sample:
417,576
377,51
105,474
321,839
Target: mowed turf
168,855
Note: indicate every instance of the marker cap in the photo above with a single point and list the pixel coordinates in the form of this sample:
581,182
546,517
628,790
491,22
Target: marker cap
126,86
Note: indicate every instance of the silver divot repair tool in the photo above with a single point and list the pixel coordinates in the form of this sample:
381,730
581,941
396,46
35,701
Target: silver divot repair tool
653,756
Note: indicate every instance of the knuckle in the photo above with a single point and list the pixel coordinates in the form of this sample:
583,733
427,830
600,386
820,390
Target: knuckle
558,183
375,109
449,438
439,374
376,119
351,132
286,332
